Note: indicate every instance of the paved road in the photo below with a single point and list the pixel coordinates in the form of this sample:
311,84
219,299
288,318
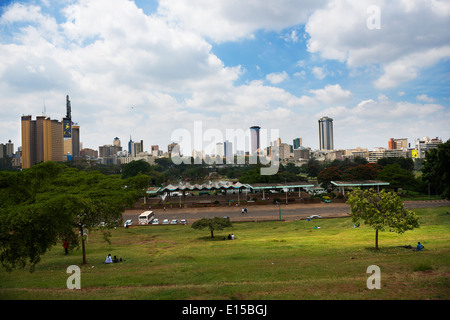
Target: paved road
267,212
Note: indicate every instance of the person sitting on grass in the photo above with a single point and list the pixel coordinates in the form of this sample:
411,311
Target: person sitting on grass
108,259
419,247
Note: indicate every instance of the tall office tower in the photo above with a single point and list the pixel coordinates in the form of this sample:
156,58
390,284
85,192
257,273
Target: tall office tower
116,142
136,148
297,143
326,133
71,134
219,149
228,151
154,150
254,140
6,149
173,149
42,140
129,145
76,147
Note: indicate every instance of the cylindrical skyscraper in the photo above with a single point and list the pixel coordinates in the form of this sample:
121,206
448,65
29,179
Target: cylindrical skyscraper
254,140
326,133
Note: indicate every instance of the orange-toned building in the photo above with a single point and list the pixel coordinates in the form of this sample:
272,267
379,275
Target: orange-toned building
42,140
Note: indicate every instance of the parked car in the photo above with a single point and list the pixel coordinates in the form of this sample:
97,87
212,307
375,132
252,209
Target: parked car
165,221
174,221
183,221
129,222
155,221
314,216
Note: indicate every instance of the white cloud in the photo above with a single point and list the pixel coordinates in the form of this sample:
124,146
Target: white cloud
425,98
107,62
331,95
399,46
408,67
163,65
232,20
319,72
277,77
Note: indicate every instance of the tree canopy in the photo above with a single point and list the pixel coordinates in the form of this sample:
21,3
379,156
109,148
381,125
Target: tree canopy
348,171
436,169
381,210
212,224
397,176
46,203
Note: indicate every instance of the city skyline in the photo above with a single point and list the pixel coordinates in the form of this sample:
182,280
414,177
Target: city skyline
147,68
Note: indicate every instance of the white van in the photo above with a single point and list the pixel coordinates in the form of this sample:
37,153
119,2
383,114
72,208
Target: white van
146,217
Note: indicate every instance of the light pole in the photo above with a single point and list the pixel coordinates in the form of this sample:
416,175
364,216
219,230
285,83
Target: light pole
279,210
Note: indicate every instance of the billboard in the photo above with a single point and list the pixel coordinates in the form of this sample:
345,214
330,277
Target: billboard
415,153
67,128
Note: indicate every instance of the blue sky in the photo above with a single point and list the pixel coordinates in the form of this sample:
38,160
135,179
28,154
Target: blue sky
148,68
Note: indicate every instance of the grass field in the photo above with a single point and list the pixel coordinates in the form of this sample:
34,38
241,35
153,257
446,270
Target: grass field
268,260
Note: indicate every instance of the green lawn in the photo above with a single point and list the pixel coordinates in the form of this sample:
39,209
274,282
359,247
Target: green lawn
268,260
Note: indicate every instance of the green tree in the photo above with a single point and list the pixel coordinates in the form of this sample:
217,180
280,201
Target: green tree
312,168
381,210
362,172
404,163
212,224
45,204
134,167
397,176
436,169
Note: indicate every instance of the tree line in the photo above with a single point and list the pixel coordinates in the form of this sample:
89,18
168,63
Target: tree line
52,203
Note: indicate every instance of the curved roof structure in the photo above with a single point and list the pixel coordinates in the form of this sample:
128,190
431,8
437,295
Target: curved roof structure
228,185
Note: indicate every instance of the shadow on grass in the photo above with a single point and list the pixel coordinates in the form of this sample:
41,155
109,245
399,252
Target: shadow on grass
216,238
392,249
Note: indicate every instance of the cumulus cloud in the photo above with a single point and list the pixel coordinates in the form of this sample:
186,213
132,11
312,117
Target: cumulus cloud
232,20
277,77
319,72
399,46
132,73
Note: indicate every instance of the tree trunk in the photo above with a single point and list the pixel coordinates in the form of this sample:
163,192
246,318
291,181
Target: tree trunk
376,239
83,249
212,233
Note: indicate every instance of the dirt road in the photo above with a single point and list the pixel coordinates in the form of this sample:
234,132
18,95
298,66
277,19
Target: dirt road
266,212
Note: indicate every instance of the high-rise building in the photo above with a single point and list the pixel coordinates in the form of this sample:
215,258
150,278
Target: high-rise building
285,151
129,145
116,142
254,140
297,143
326,134
76,146
397,144
136,148
425,144
154,150
71,134
228,151
42,140
173,148
219,149
108,150
6,150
